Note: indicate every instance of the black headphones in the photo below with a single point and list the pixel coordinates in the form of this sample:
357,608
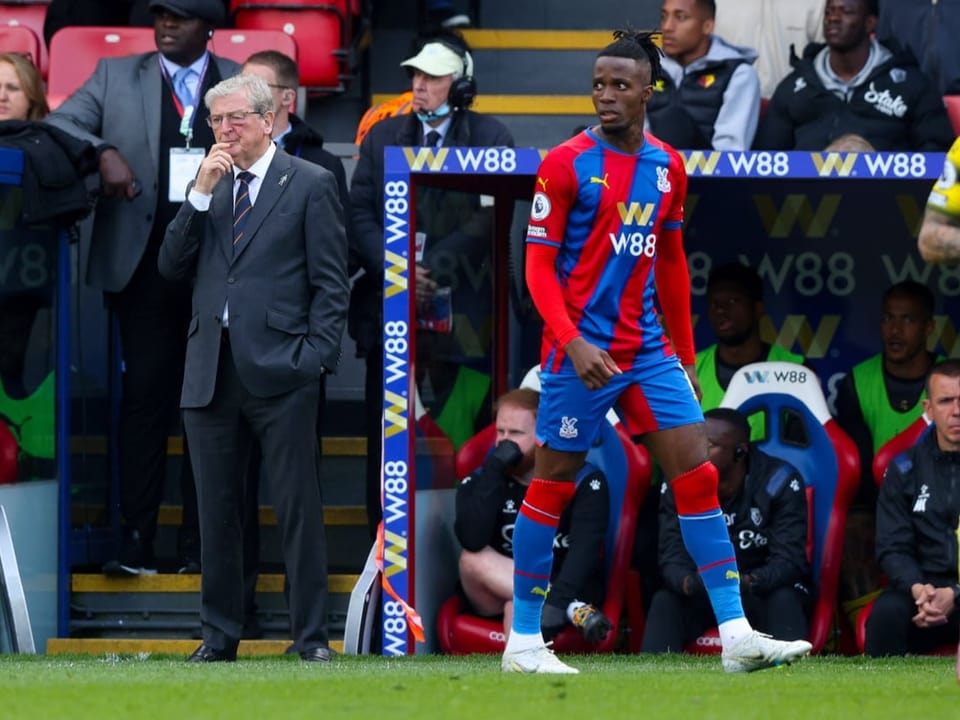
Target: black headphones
464,88
739,452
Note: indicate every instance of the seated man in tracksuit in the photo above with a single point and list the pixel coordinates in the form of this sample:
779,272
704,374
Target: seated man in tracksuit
487,504
765,505
917,515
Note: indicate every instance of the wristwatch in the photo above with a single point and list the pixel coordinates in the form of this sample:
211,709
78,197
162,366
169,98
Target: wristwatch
956,596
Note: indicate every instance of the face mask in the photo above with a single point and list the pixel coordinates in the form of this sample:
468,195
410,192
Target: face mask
440,112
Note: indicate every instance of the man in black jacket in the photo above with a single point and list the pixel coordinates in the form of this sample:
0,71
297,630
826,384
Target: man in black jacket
765,505
456,230
488,501
855,85
917,531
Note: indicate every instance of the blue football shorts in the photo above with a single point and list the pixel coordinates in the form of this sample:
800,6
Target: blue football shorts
656,396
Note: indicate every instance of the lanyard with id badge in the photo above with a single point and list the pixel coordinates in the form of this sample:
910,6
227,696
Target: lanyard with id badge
184,162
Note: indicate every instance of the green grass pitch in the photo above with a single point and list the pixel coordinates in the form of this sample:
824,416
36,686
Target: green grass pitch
609,687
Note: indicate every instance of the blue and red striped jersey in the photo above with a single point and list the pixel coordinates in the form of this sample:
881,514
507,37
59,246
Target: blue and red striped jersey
608,213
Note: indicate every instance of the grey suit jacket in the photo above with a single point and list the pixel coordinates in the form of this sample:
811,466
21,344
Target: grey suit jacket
119,105
286,281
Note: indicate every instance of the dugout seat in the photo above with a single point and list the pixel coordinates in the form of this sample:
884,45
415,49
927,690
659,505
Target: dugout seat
21,40
628,470
75,52
952,103
324,29
888,451
800,430
29,14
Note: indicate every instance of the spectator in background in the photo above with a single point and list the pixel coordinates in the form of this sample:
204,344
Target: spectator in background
929,28
773,27
21,89
879,398
456,231
939,239
855,84
708,95
134,109
883,395
28,410
917,531
734,309
765,507
488,501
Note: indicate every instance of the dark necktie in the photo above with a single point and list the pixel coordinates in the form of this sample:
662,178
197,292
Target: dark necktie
242,205
433,137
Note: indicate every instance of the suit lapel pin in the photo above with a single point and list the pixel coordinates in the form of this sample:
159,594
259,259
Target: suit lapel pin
283,180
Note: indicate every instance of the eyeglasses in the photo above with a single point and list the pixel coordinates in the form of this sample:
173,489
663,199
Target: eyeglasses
234,118
279,87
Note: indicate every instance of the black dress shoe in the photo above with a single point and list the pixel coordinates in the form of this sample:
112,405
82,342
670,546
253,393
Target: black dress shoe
317,654
205,654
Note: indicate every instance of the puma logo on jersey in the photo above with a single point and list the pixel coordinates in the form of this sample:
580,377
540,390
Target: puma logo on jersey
539,591
600,181
542,182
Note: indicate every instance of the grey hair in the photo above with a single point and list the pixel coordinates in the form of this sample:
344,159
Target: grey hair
256,88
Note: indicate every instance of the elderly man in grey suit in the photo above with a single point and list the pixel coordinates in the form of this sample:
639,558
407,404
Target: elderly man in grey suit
143,113
262,239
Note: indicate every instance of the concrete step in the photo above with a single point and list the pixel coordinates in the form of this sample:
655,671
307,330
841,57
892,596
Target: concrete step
136,646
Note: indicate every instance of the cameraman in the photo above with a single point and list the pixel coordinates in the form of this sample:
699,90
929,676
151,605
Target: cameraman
488,501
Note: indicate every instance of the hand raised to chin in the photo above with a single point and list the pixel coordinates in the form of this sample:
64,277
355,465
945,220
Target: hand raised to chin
215,165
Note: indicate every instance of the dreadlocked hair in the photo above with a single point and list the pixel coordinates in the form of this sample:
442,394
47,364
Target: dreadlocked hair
637,45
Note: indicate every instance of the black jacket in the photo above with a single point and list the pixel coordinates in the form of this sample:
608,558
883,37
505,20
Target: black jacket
895,108
453,220
487,504
767,523
917,516
304,142
55,164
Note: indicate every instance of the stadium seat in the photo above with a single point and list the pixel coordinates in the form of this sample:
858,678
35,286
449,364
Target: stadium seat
75,51
238,45
800,431
29,14
322,27
21,40
887,452
896,445
952,103
628,471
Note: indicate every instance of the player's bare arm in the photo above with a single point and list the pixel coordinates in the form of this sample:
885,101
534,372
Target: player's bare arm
939,240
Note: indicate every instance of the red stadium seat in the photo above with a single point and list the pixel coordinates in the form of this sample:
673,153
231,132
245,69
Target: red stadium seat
238,45
29,14
801,432
953,111
75,51
22,40
628,469
887,452
323,30
896,445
